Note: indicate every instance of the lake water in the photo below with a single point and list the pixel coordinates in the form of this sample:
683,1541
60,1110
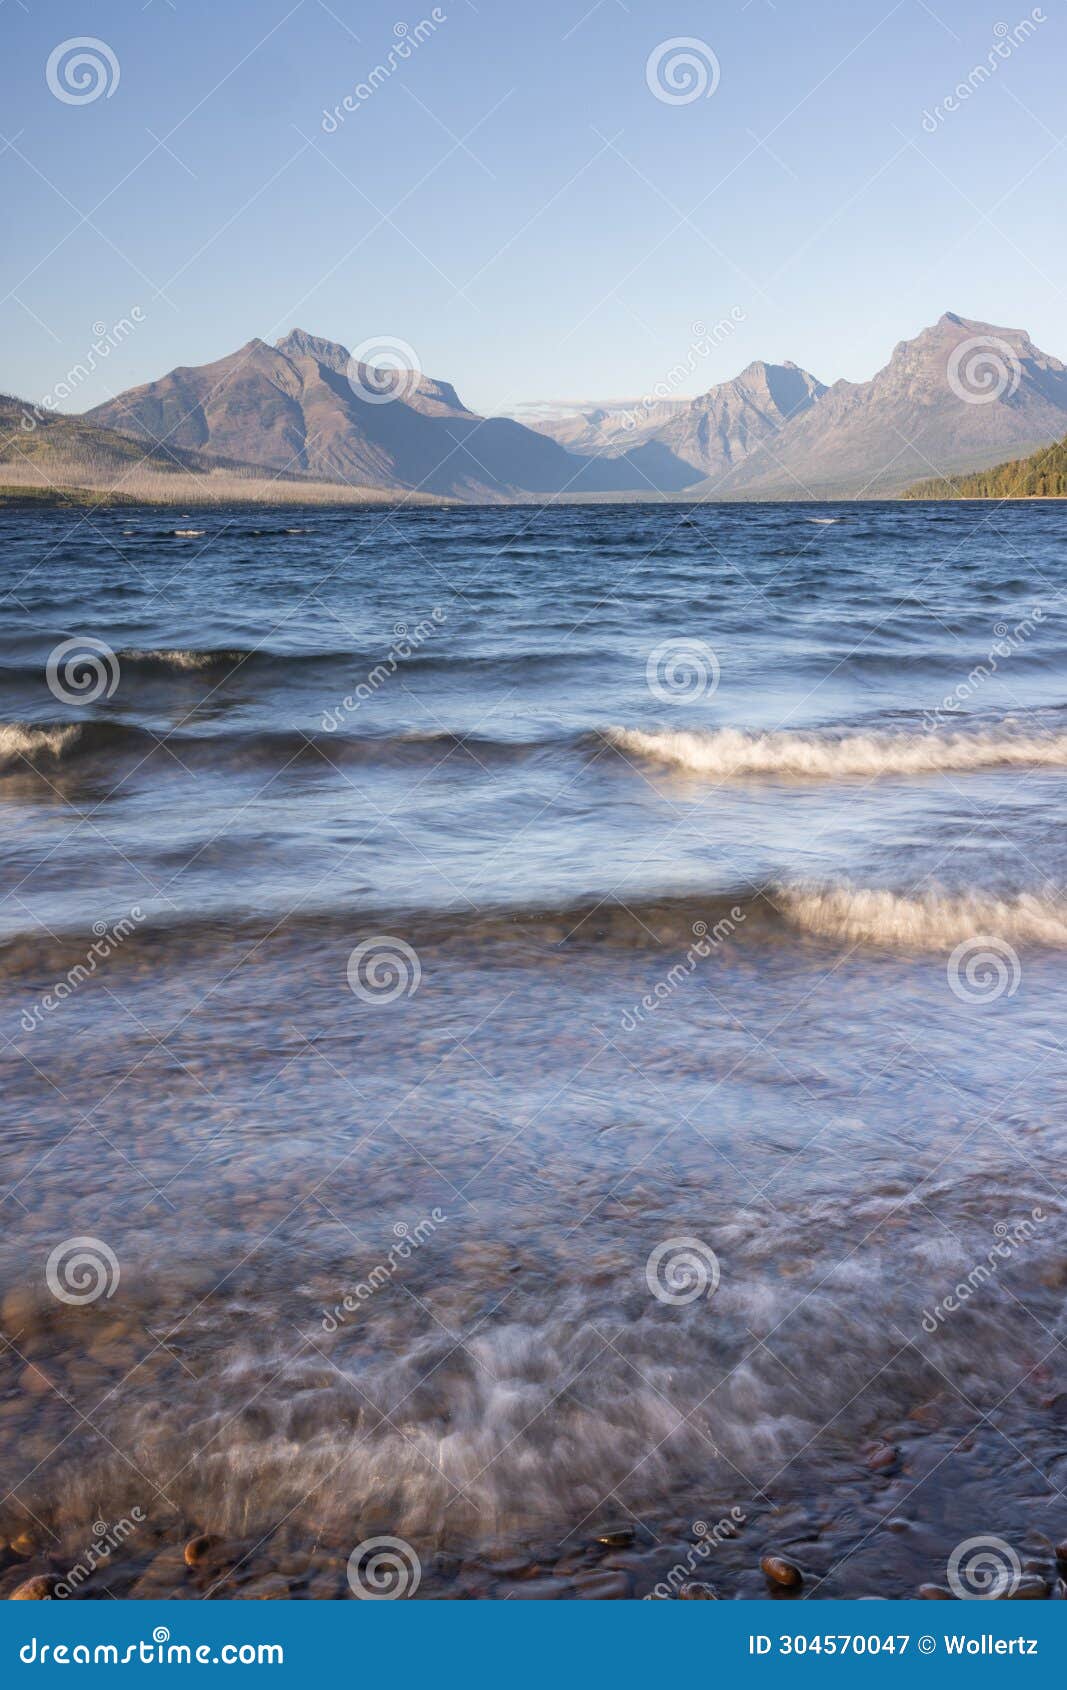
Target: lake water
523,1023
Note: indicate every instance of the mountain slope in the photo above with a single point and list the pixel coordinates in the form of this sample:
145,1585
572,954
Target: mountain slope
301,405
52,458
1042,476
956,398
712,433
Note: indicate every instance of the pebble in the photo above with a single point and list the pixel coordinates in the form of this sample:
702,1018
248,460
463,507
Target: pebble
1030,1588
616,1537
37,1589
694,1591
779,1570
880,1459
1061,1551
934,1593
34,1381
602,1587
198,1548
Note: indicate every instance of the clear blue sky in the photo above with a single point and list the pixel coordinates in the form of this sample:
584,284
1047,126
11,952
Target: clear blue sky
513,200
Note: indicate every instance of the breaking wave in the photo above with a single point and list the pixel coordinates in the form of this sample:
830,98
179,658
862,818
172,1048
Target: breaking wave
732,753
932,921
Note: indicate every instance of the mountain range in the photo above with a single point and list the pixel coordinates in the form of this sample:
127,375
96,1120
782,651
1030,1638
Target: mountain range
961,396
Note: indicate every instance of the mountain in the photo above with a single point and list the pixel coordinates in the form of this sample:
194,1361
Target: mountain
1042,476
711,434
57,459
303,405
958,397
595,426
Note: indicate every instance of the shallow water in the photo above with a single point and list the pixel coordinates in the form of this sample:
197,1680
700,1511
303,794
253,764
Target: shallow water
709,1039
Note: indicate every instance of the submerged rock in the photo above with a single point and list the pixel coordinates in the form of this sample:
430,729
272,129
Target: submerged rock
40,1588
199,1548
780,1571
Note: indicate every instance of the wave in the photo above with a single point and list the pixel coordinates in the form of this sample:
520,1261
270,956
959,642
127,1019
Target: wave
20,741
39,743
732,753
936,920
683,930
68,742
181,660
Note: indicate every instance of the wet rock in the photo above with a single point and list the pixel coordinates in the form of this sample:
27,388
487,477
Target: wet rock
616,1537
1030,1588
164,1577
882,1458
694,1591
780,1571
603,1586
934,1593
19,1309
38,1589
23,1546
199,1548
532,1590
1061,1552
33,1381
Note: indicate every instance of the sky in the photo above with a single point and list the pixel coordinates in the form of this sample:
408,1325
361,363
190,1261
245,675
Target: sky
514,197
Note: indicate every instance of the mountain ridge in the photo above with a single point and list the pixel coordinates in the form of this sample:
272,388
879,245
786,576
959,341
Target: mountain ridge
962,395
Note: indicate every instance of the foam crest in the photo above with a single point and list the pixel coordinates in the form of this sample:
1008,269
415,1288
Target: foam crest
932,921
731,753
19,740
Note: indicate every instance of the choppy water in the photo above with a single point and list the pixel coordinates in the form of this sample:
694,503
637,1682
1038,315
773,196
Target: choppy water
706,882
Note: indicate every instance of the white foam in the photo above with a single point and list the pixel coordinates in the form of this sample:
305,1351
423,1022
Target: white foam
932,921
732,753
17,740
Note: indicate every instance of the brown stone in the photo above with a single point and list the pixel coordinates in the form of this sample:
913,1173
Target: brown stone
199,1548
779,1570
38,1589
